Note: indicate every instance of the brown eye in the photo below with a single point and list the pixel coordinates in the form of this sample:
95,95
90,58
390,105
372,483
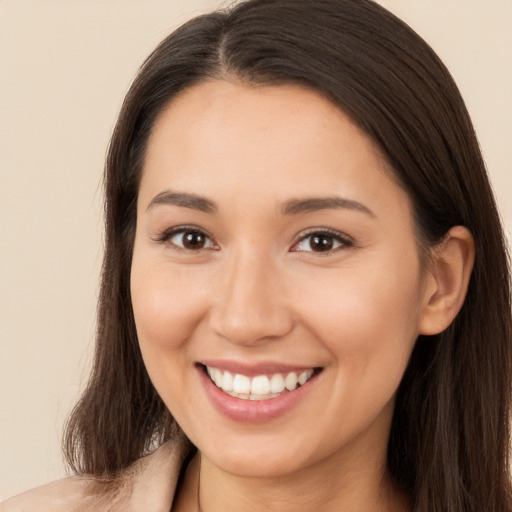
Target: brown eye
191,240
322,242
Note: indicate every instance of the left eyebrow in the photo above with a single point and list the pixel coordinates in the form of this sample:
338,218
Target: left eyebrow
184,200
314,204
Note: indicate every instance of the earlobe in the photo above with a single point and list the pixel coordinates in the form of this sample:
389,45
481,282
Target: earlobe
447,280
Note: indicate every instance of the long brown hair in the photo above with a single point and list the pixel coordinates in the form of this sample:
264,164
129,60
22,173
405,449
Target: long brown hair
449,443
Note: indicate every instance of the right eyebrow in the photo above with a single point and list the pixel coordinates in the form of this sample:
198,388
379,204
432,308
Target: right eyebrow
314,204
184,200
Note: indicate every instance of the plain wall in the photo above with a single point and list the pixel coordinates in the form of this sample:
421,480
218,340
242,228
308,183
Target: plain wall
64,69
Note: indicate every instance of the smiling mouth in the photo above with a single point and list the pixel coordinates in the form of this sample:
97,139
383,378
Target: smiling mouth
258,387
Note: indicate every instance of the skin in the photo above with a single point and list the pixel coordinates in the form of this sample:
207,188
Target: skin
259,291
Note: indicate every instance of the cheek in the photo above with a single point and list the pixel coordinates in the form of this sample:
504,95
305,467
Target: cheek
167,302
367,315
368,322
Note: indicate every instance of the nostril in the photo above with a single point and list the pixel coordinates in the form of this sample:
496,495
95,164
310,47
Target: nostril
248,308
251,328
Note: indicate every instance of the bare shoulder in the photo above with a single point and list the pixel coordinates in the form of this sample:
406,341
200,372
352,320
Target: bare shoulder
66,494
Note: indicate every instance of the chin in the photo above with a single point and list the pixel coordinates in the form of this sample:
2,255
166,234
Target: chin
255,465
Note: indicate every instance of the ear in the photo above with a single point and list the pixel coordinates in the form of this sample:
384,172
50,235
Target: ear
447,280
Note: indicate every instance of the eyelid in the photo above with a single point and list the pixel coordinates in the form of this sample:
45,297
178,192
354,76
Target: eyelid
167,234
345,240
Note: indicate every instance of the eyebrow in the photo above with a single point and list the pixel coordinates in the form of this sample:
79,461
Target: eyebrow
314,204
184,200
292,207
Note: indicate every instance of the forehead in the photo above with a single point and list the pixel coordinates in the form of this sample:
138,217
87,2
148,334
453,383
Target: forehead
284,141
262,109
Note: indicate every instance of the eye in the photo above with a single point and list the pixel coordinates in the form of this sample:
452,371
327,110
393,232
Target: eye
190,239
322,242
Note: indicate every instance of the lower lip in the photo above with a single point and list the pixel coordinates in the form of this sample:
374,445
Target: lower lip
253,411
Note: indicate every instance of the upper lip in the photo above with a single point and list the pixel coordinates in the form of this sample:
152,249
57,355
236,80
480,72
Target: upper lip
254,369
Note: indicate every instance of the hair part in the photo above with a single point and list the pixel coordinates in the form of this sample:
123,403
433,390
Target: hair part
449,443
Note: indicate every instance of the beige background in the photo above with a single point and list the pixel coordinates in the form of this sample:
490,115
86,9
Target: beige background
64,68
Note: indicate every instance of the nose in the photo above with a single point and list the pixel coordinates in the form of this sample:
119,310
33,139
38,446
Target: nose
251,302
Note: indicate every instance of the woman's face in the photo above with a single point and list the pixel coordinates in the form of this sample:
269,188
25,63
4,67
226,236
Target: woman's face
273,250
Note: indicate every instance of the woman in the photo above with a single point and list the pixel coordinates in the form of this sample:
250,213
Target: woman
305,299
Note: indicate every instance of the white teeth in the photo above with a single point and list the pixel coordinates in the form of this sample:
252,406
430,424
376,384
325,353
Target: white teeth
260,387
227,382
252,397
291,381
241,384
217,377
277,383
304,376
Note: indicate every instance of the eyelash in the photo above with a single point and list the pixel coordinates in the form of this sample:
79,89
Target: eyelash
166,236
342,241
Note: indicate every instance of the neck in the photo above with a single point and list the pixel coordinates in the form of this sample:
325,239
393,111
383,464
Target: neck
323,486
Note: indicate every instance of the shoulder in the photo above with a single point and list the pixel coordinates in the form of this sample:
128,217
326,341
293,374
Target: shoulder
147,485
61,495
